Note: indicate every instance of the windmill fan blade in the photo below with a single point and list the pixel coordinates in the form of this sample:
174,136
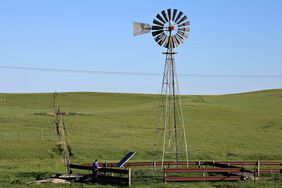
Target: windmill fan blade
164,15
157,39
166,44
155,33
160,43
160,18
169,14
158,23
174,14
171,43
154,27
177,42
178,16
174,43
162,40
182,34
140,28
187,29
184,24
182,19
179,37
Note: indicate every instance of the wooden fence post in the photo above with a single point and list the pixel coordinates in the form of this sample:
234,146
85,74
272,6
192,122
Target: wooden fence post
129,177
258,168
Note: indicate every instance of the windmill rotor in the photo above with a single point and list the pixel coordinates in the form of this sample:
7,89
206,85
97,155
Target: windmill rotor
169,28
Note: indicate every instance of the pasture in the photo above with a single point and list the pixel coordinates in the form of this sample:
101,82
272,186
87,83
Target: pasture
105,126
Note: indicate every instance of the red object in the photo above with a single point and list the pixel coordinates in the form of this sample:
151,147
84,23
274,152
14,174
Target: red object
191,170
206,178
171,28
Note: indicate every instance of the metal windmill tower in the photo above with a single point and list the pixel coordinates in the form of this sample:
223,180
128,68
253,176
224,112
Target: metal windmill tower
169,30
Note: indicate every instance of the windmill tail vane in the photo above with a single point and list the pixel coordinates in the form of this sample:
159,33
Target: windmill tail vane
169,29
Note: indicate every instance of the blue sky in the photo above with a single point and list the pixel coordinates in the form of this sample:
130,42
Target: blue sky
227,37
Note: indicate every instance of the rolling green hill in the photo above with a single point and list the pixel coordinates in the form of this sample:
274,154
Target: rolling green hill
244,126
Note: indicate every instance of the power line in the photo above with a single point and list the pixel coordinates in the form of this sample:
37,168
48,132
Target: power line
267,76
227,44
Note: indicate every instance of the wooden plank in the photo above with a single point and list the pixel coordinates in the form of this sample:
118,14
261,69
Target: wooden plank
138,164
89,167
200,178
227,163
250,163
241,163
114,170
269,163
191,170
220,165
82,167
172,163
269,170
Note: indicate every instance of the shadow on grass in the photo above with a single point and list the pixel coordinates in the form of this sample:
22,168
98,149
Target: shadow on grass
24,177
34,175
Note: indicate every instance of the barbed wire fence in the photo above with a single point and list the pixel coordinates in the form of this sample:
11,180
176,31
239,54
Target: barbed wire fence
36,135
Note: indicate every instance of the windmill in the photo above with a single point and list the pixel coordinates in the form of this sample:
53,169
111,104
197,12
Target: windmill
169,30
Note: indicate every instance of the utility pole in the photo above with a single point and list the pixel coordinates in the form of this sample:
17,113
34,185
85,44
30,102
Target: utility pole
63,141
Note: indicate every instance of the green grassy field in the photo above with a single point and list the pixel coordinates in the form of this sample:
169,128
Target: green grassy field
227,127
